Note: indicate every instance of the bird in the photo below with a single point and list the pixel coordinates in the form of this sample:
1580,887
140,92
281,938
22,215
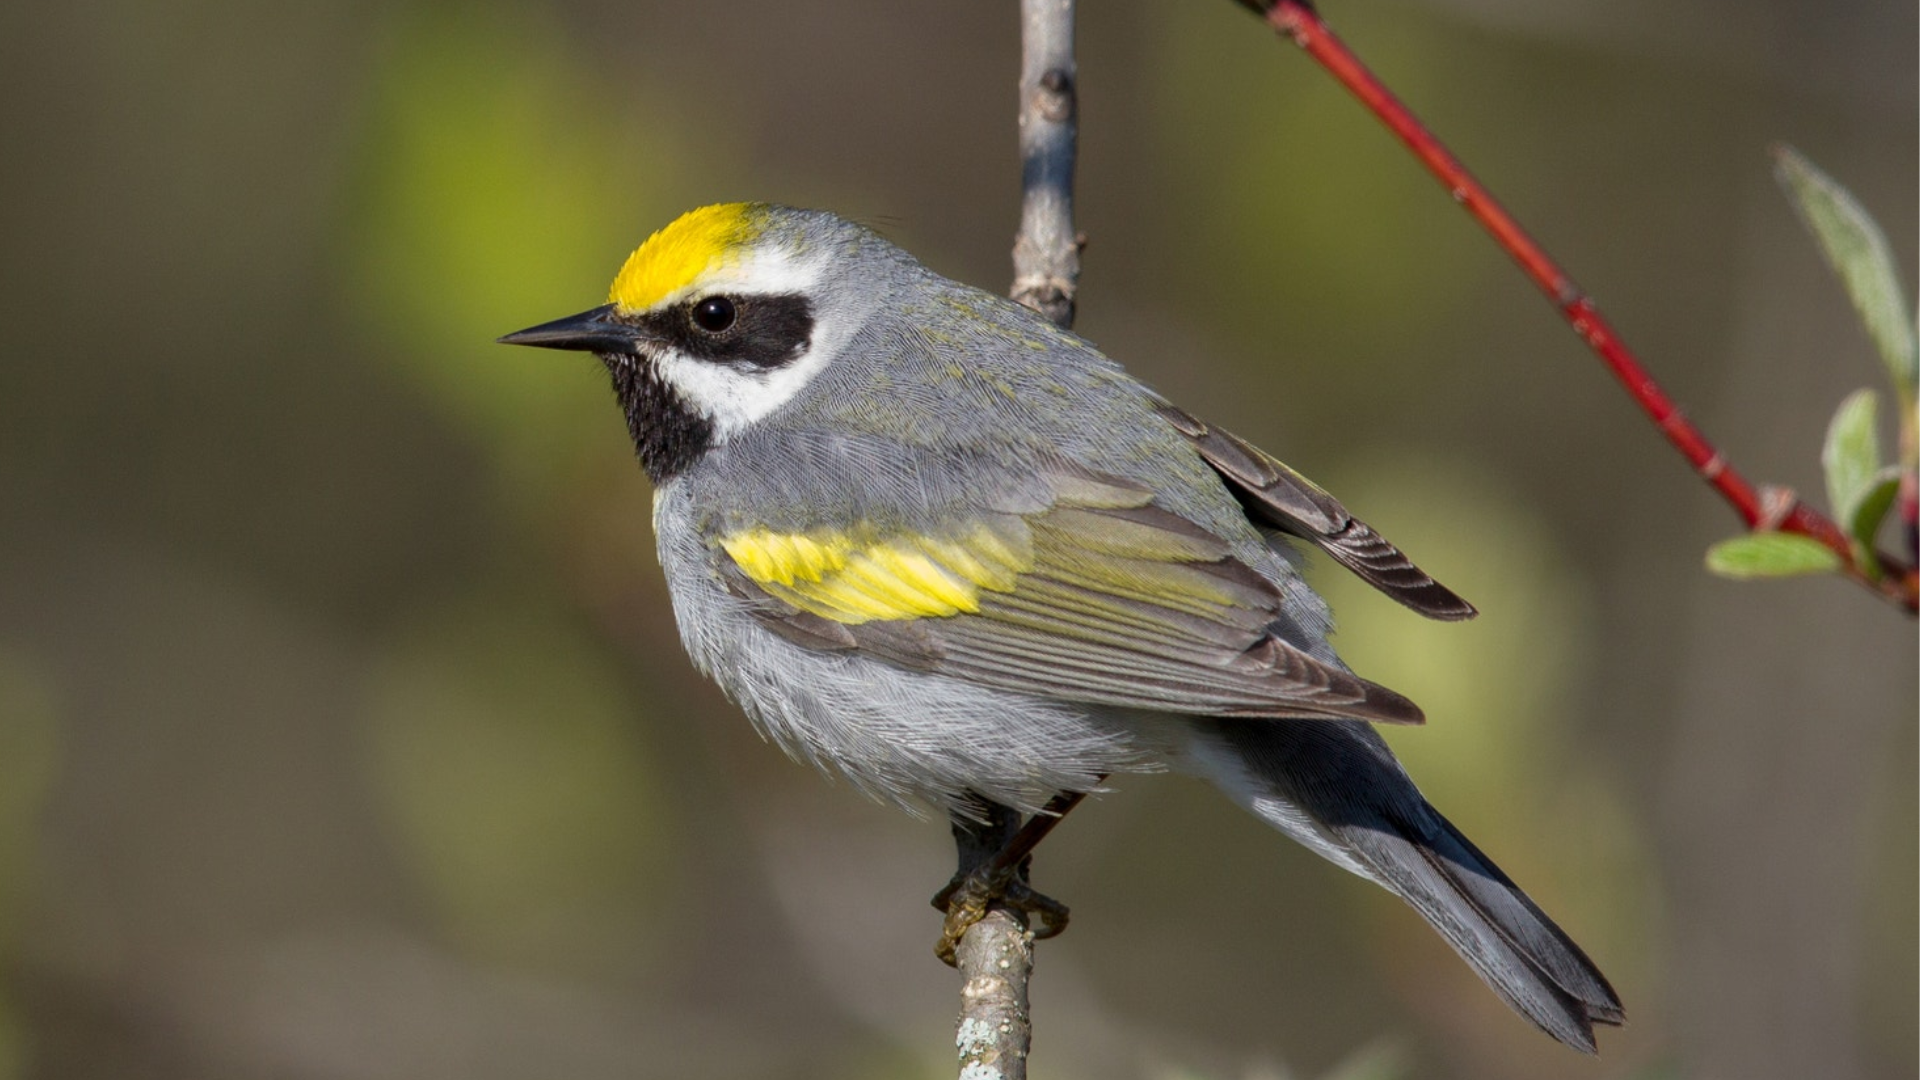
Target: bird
933,544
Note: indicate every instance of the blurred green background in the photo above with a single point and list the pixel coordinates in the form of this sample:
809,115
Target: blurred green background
344,732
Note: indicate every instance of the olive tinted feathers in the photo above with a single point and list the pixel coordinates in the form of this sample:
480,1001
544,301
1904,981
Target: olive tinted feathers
1099,596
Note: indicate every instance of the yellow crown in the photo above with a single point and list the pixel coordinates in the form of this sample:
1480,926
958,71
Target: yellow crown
677,256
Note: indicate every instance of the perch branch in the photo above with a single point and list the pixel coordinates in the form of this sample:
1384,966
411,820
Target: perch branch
995,960
995,956
1759,508
995,953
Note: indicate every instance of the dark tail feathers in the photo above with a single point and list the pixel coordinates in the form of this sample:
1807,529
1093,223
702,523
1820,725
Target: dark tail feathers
1336,787
1528,960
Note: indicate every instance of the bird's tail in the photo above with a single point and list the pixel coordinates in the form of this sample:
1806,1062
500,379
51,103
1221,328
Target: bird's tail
1334,786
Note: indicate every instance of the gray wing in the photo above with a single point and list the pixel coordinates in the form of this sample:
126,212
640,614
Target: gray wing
1098,596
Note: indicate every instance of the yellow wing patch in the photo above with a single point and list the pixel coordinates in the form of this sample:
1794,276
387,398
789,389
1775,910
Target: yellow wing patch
677,255
853,580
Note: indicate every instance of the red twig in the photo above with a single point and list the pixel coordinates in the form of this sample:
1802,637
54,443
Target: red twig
1758,508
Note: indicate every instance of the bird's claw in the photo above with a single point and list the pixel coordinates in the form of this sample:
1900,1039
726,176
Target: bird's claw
968,897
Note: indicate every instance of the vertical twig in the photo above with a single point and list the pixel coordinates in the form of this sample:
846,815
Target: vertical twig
1046,250
995,957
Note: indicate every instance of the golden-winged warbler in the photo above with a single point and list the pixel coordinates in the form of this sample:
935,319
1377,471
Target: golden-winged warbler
933,543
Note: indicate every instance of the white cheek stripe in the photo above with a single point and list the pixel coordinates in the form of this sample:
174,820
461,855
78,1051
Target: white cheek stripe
734,399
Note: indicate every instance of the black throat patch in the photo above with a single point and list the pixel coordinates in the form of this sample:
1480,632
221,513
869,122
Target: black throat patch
760,333
668,435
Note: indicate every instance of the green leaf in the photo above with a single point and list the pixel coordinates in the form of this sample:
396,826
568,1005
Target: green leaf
1857,250
1873,505
1851,456
1770,555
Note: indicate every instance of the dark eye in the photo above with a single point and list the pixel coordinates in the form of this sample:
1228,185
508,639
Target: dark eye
714,314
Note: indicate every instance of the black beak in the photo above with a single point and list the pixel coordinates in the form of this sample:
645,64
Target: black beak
599,330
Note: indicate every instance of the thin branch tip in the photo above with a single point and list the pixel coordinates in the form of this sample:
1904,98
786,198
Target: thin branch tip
1893,581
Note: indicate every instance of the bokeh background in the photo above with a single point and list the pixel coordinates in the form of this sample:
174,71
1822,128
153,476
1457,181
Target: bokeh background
344,732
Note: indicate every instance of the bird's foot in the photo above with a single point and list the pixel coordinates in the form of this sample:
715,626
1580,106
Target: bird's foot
968,897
